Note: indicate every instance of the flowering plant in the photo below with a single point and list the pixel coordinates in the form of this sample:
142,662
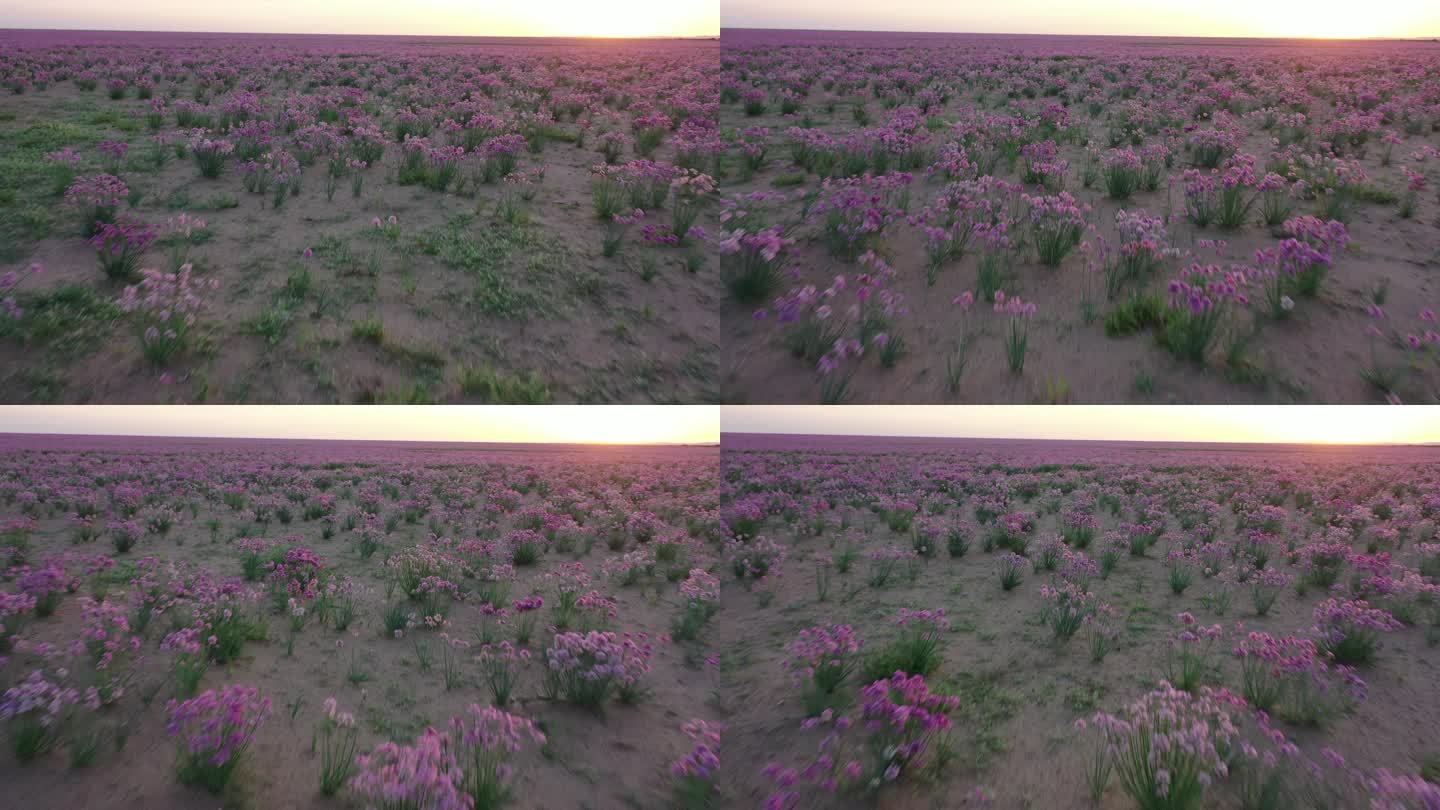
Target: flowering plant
13,607
121,245
1144,248
1170,745
855,212
34,710
701,591
1123,172
484,739
191,659
1326,238
1266,585
169,305
752,261
500,666
1289,674
1017,339
1348,629
210,154
1066,608
692,190
695,772
902,723
1188,658
112,648
1011,567
585,668
823,657
336,736
1200,301
423,776
215,729
97,197
755,559
1056,224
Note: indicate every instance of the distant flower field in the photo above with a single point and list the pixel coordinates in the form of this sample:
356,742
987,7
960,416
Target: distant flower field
1178,220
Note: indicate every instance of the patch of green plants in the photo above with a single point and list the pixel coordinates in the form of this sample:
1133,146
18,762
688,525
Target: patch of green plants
1137,314
369,330
274,321
69,320
489,385
486,255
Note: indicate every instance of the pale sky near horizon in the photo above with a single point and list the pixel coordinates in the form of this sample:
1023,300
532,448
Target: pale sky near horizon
703,424
584,424
481,18
1329,424
1207,18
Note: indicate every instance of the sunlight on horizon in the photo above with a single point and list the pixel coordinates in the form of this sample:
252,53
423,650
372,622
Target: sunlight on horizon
480,18
1218,18
1289,424
565,424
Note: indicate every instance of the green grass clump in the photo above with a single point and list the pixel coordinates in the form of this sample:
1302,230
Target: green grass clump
1137,314
489,385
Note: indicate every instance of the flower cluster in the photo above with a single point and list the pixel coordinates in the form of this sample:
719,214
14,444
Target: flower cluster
1289,675
585,668
1170,745
697,770
424,775
1348,629
98,198
215,728
169,306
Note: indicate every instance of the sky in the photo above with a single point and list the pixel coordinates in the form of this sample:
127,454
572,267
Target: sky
1206,18
488,18
588,424
702,424
1333,424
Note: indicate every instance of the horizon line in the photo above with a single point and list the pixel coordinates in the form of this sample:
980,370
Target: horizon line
8,434
724,433
1423,38
4,28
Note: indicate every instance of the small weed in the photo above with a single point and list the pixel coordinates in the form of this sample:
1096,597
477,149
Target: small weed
488,385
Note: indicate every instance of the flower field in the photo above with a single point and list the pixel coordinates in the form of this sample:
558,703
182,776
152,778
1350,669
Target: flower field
232,218
1012,219
1009,624
202,623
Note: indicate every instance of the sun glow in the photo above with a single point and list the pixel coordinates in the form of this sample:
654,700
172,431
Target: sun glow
567,424
1338,19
